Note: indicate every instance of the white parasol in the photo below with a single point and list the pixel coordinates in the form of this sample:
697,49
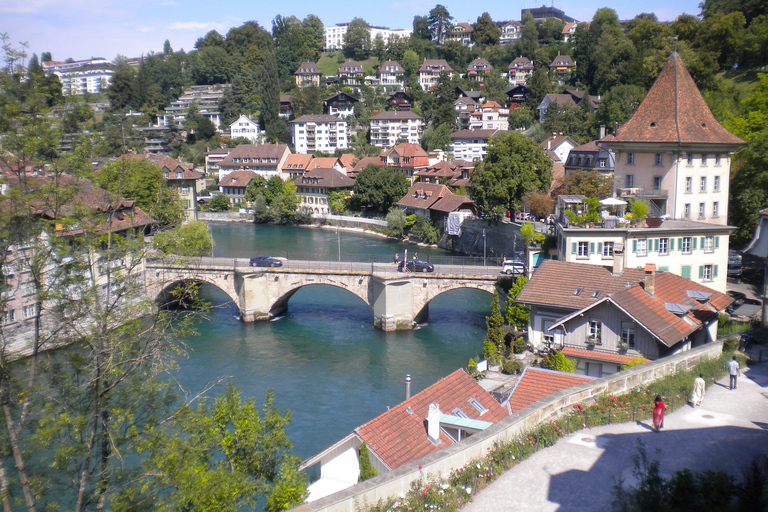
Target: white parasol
612,201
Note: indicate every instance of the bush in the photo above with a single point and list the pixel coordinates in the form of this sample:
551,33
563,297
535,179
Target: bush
366,468
731,344
510,366
519,345
558,361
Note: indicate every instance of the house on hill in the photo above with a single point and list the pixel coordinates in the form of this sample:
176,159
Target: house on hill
350,73
606,316
308,75
519,71
314,187
266,160
245,128
325,133
448,411
340,104
390,126
234,185
570,98
391,74
400,100
478,69
405,158
430,71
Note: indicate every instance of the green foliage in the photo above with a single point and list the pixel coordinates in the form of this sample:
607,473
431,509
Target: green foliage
396,222
514,166
519,345
558,361
366,467
426,231
223,457
636,360
511,366
219,203
493,345
357,40
379,188
517,314
726,326
337,201
527,231
639,209
191,239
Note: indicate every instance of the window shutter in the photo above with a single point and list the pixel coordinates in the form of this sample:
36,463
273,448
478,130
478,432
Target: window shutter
600,247
634,245
573,247
680,243
694,242
591,247
663,269
702,242
717,242
714,271
656,245
686,271
701,271
671,244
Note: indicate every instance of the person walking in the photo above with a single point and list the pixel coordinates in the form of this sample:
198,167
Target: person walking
699,389
733,372
396,259
658,413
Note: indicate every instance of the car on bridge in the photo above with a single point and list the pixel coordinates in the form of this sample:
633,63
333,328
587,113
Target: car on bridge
266,261
513,267
415,266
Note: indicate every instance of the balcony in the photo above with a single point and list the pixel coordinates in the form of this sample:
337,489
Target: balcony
643,193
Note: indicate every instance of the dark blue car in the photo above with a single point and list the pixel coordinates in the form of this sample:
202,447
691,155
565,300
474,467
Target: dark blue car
415,266
266,261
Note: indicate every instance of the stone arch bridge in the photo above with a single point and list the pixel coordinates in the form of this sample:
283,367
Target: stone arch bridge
398,300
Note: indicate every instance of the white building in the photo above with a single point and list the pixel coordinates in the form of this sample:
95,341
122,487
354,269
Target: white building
85,76
490,116
391,74
205,98
430,71
334,35
313,133
389,127
511,32
245,128
471,145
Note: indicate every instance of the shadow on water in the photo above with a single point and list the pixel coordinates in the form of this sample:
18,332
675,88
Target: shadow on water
326,361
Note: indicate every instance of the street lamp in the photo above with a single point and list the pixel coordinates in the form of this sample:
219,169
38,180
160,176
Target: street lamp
483,246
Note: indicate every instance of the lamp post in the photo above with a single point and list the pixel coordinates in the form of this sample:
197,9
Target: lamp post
483,246
338,240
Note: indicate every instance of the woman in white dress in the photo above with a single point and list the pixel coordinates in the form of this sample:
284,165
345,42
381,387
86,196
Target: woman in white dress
699,389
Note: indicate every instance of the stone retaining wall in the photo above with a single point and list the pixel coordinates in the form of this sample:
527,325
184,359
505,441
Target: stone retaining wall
459,454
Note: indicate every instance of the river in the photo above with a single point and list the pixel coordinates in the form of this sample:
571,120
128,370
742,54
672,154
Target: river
324,359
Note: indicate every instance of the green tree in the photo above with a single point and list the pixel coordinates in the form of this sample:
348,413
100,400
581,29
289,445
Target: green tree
223,457
379,188
120,92
493,345
539,84
357,40
257,187
191,239
270,98
437,137
518,315
485,31
143,182
219,203
287,203
211,66
337,201
514,166
421,28
367,470
618,105
396,222
439,23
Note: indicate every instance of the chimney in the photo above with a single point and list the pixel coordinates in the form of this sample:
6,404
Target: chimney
433,422
650,278
549,145
602,131
407,386
618,258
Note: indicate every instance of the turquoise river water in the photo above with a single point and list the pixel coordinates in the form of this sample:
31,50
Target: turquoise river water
324,359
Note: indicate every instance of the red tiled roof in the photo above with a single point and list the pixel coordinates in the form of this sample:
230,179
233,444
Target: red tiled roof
554,283
237,179
324,161
435,64
399,435
366,161
674,111
452,203
537,383
297,162
598,356
325,177
423,196
650,310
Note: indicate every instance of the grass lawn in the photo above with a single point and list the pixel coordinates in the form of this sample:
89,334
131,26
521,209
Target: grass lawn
330,61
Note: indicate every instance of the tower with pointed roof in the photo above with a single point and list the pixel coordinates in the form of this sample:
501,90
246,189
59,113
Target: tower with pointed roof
673,152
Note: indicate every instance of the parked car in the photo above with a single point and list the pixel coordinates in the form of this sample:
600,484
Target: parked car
415,266
734,264
515,267
523,216
266,261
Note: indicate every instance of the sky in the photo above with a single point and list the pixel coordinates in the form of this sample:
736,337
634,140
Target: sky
81,29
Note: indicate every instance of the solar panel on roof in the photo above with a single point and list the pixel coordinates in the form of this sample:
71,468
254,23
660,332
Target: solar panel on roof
698,295
677,309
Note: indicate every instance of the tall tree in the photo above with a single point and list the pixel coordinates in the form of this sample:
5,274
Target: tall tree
485,31
378,188
270,97
357,40
421,28
514,166
439,22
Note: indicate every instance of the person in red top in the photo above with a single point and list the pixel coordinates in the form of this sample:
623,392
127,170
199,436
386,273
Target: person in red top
658,413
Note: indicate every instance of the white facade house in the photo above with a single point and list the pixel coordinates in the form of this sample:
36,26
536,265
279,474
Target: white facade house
86,76
245,128
389,127
471,145
430,71
490,116
391,74
204,97
511,32
313,133
334,35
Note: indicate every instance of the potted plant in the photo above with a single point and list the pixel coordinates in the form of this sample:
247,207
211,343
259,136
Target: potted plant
623,346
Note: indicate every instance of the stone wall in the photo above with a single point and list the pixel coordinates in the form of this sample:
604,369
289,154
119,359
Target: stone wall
501,239
553,406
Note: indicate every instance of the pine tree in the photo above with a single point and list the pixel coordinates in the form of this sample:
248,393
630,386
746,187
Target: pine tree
493,346
366,468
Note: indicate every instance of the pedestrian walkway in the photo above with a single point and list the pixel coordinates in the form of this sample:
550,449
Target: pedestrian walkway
578,474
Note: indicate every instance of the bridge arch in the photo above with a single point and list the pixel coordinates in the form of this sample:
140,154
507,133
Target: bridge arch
164,291
422,300
359,287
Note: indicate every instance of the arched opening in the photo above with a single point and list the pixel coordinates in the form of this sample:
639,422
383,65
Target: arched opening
321,301
193,294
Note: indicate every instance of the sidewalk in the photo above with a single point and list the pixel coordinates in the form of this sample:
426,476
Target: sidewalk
725,433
